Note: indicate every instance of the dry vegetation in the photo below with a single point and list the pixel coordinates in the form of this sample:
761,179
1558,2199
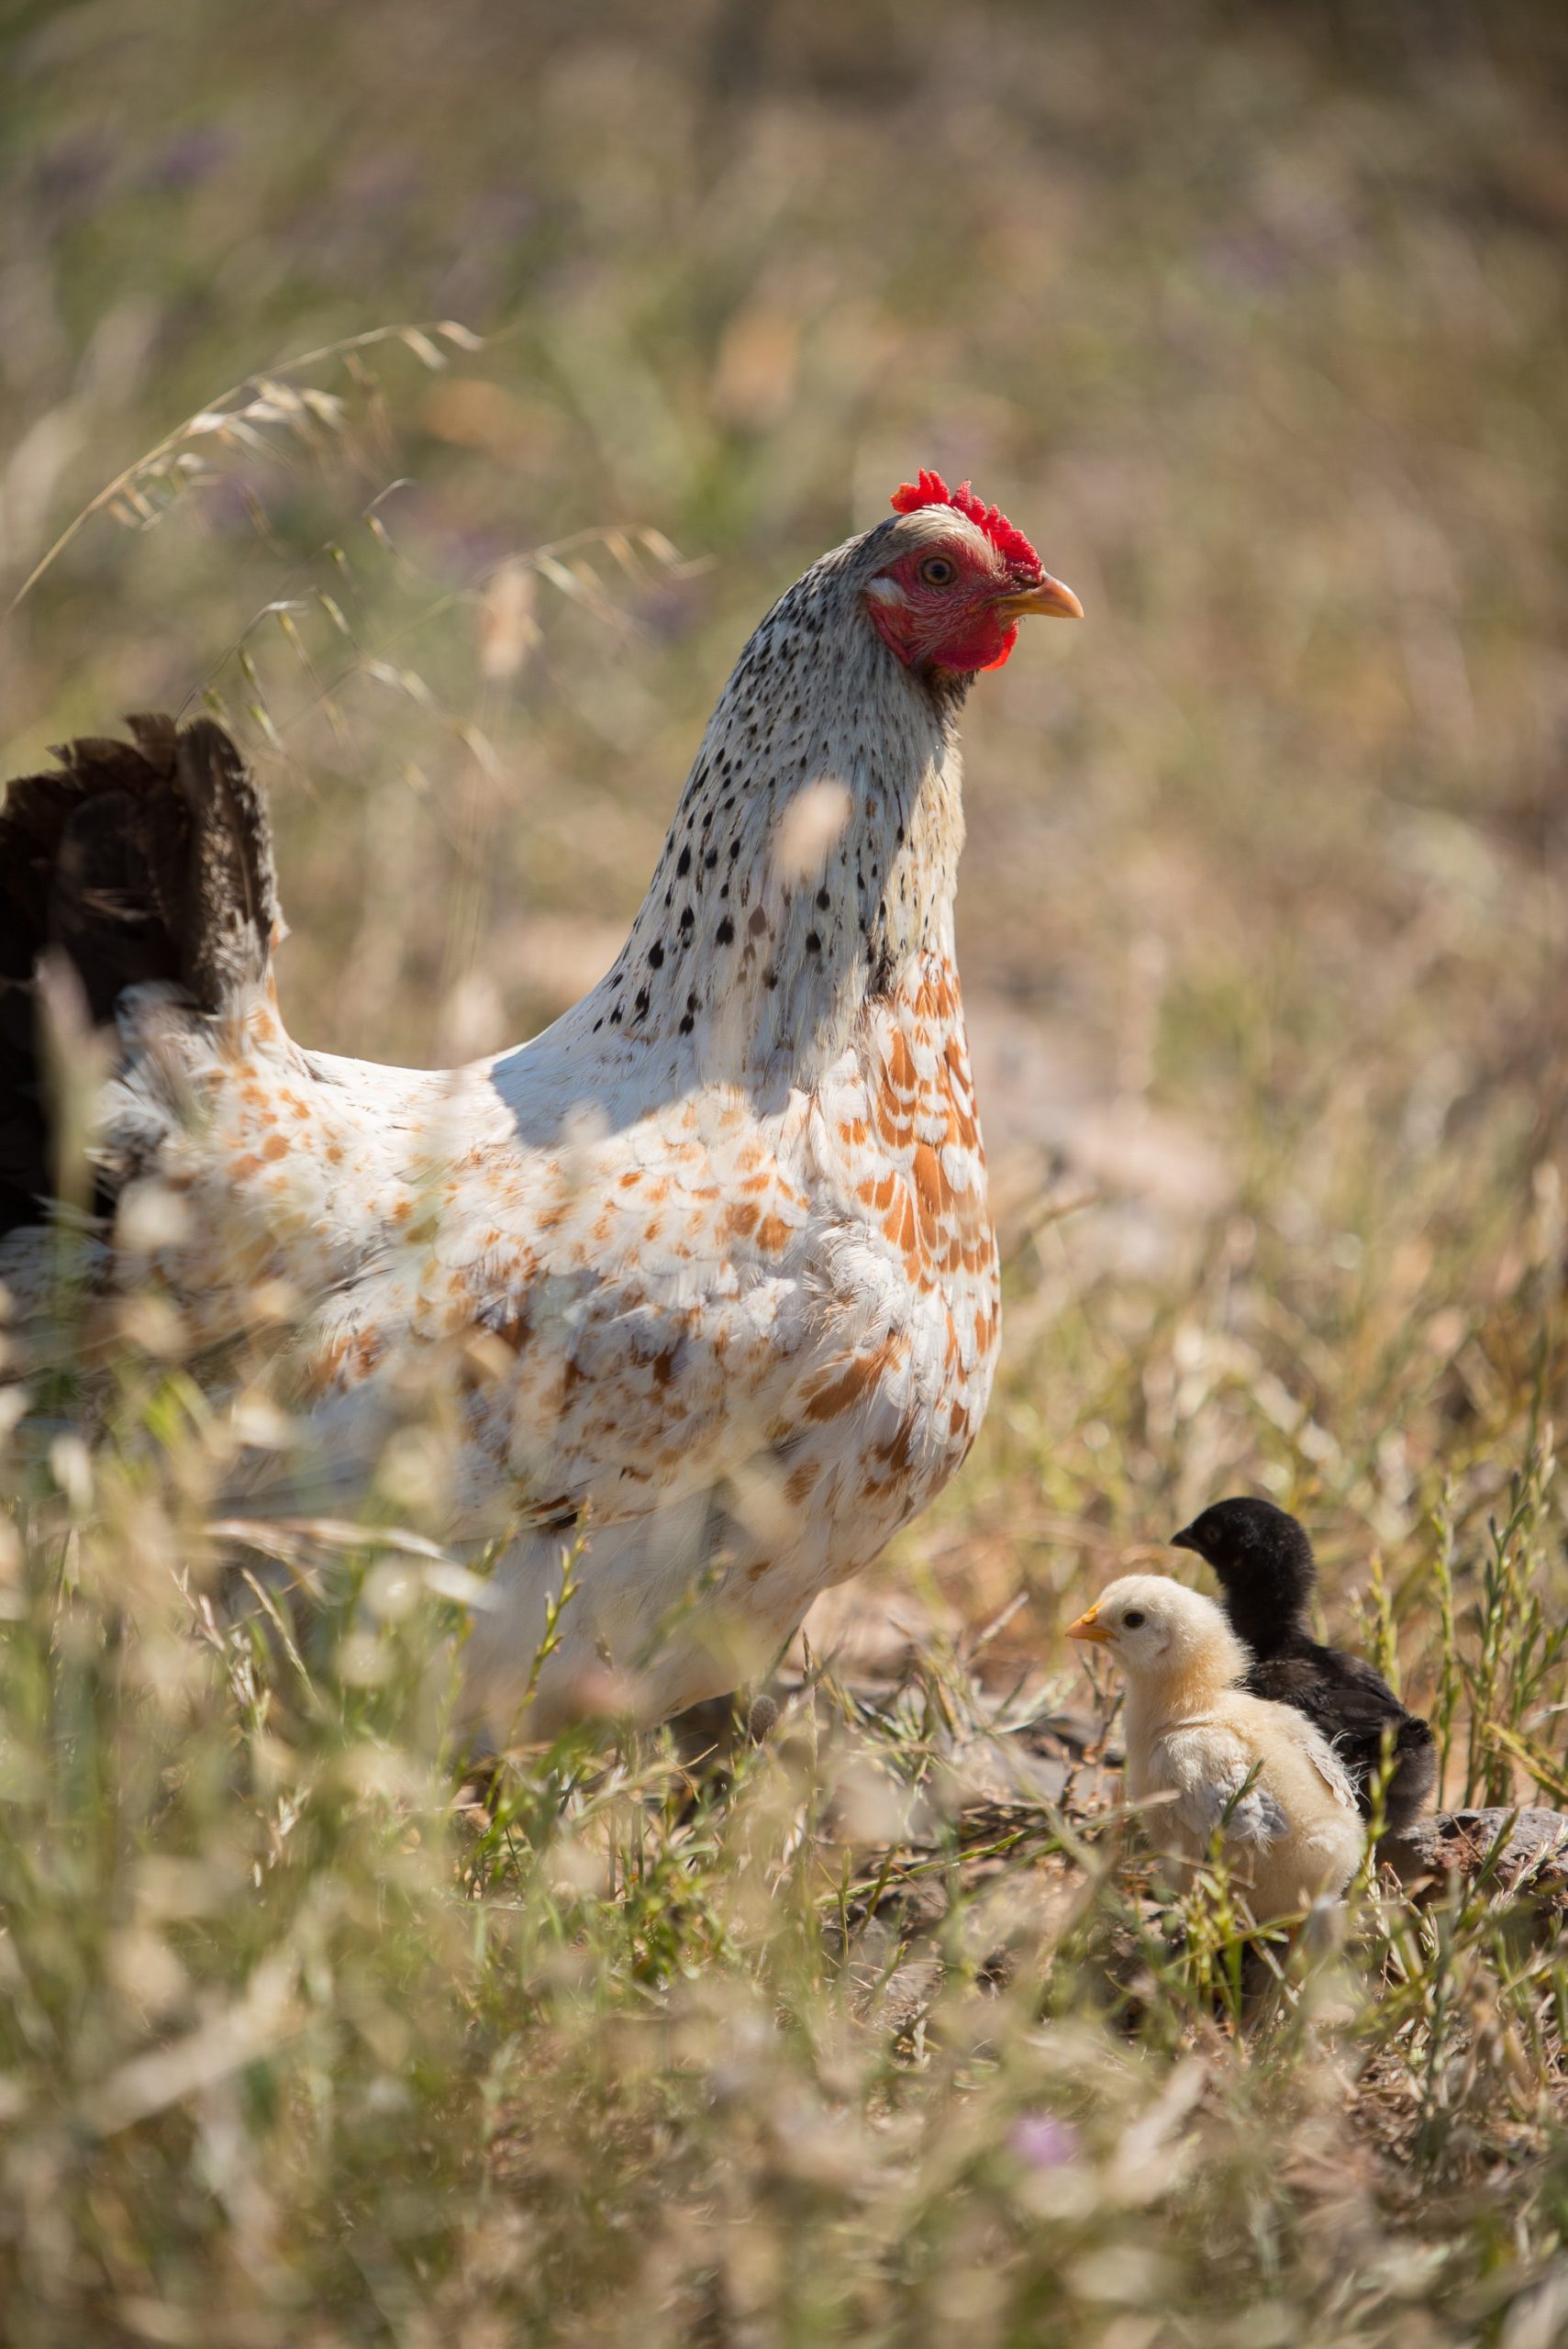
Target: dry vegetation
865,2033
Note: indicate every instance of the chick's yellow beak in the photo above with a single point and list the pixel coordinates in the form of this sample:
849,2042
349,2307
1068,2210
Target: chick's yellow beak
1050,601
1089,1627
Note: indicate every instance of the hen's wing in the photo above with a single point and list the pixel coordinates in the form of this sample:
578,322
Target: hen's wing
671,1323
642,1303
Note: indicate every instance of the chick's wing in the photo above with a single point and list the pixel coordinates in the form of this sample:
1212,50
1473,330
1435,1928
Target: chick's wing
1320,1752
1217,1787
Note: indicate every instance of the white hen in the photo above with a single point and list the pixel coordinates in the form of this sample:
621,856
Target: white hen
706,1269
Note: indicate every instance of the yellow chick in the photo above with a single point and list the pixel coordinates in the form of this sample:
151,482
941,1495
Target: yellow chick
1192,1733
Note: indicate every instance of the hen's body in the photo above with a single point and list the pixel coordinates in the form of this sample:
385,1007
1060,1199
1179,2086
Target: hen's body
708,1265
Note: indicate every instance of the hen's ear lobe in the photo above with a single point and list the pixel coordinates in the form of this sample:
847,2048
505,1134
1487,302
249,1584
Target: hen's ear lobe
886,591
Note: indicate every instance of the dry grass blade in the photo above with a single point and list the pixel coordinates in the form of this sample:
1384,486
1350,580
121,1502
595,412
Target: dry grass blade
234,416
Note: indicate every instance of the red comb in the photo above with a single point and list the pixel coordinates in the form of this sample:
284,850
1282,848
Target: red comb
932,490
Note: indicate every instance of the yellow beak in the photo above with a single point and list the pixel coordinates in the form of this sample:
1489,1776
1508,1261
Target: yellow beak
1089,1627
1050,601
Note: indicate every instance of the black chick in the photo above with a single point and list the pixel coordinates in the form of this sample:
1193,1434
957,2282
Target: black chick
1263,1561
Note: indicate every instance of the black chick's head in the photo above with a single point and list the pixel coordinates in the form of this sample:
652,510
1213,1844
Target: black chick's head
1263,1561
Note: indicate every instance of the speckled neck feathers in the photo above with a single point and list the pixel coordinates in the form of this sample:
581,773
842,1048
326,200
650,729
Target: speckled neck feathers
814,852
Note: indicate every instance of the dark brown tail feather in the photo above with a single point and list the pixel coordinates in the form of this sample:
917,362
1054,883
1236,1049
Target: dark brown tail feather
138,861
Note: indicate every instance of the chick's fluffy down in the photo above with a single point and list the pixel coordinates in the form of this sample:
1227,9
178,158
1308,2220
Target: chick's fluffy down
1294,1834
1258,1774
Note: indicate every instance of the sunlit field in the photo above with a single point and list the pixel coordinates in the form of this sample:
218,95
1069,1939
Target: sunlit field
441,394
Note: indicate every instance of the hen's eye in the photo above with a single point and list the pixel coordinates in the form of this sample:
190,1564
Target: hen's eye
938,572
1132,1619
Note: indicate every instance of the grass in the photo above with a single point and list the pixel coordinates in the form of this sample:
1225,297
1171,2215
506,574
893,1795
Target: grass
872,2032
822,2039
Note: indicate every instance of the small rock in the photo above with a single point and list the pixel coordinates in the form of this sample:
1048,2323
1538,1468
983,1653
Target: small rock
1456,1842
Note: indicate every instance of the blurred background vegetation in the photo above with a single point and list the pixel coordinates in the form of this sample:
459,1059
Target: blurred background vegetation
1253,317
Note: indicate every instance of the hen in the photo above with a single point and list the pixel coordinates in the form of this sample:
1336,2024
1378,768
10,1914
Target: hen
707,1265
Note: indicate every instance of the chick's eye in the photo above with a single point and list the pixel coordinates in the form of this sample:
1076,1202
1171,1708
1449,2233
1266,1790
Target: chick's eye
938,572
1132,1619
